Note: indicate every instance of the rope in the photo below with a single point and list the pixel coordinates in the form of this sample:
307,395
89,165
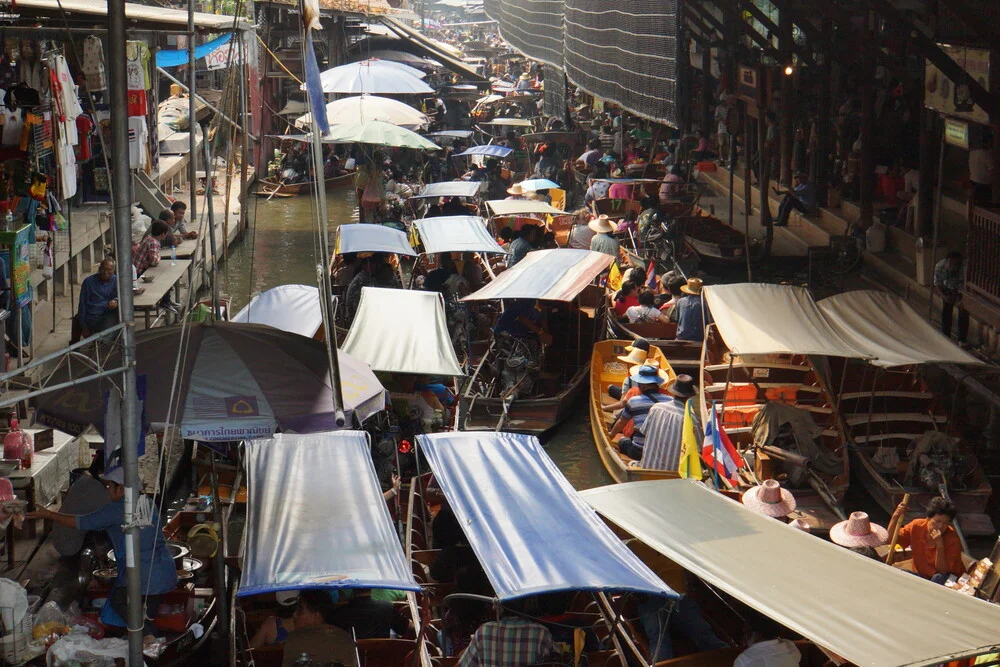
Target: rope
278,60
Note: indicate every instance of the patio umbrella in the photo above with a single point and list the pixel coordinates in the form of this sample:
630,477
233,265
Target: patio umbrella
535,184
378,133
236,381
374,76
369,107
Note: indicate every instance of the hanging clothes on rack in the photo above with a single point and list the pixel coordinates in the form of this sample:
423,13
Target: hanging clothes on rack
93,64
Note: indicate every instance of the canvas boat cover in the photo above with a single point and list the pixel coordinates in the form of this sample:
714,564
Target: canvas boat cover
456,233
509,122
552,275
887,328
361,237
316,517
450,189
294,308
522,206
530,529
869,613
489,150
402,331
756,318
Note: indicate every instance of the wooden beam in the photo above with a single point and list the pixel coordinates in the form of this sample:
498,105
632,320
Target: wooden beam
766,21
706,33
749,30
983,29
896,21
707,17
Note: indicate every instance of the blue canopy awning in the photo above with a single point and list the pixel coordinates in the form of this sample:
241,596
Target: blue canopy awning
530,529
489,150
178,58
316,517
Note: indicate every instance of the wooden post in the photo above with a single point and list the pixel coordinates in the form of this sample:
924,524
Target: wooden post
867,171
764,183
787,102
821,175
706,90
928,171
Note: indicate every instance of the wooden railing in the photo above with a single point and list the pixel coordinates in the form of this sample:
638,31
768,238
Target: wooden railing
982,262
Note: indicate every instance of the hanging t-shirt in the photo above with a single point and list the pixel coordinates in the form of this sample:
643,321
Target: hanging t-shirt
13,124
138,137
137,103
67,170
84,131
93,64
8,74
137,65
66,96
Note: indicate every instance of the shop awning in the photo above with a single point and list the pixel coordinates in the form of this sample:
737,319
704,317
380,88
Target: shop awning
294,308
174,57
887,328
522,207
316,517
529,528
449,189
456,233
402,331
144,17
552,275
871,614
361,237
432,49
773,319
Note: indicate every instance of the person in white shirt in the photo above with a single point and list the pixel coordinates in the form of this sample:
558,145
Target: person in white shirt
646,311
765,647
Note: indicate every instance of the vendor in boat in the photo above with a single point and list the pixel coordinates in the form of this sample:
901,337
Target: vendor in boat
522,319
649,379
937,551
692,314
525,242
156,566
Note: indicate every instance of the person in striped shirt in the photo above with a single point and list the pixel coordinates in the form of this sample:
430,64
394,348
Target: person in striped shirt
648,378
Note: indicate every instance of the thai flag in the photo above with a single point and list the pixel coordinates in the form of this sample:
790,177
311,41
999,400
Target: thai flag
651,275
719,452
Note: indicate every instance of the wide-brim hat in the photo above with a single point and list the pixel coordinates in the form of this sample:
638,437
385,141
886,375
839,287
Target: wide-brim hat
655,363
693,286
515,189
770,499
682,386
525,76
858,531
601,224
117,476
636,357
638,344
648,374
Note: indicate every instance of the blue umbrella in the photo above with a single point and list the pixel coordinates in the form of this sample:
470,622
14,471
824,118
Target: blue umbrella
533,184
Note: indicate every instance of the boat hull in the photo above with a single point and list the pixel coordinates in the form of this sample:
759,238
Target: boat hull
269,188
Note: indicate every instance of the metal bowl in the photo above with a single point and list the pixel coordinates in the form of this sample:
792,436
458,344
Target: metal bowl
106,576
177,551
191,564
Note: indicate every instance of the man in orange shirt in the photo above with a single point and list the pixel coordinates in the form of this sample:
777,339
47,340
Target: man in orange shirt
937,551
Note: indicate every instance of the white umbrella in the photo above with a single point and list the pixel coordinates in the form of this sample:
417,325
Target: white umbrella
374,76
377,133
363,108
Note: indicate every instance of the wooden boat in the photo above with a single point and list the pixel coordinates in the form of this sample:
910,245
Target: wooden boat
684,356
883,412
272,188
712,240
607,370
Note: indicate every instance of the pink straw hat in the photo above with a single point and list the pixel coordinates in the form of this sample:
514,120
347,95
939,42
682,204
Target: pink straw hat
858,531
770,499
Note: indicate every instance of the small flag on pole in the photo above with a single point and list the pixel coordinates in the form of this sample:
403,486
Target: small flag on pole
615,277
719,452
651,275
690,463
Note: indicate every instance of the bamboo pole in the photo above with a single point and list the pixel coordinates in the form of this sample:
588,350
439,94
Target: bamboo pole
895,524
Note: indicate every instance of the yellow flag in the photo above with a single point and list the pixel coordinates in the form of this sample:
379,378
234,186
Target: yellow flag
690,461
615,277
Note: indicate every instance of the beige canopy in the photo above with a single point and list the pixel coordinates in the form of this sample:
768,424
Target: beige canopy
522,207
867,612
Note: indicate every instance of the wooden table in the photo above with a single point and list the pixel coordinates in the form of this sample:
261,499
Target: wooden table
166,275
185,249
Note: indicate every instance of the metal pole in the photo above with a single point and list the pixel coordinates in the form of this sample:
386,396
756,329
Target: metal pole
212,243
937,226
244,136
121,184
219,562
192,122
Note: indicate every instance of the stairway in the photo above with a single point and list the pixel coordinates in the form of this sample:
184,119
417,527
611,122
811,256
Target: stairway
148,194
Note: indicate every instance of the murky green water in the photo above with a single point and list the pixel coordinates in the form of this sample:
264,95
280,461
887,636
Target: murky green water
280,250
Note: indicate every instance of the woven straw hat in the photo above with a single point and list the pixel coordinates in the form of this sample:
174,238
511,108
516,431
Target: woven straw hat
770,499
858,531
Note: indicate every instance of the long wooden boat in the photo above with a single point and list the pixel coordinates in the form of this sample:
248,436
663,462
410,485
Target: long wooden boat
715,242
683,355
883,413
741,386
607,370
272,188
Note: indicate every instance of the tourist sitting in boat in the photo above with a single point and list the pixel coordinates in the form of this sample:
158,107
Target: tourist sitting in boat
692,313
672,187
638,353
522,319
765,646
506,237
592,156
802,198
156,566
649,379
580,234
316,635
179,227
436,279
472,271
515,192
661,617
512,641
525,242
664,425
937,551
769,498
859,534
604,236
597,188
670,293
275,629
626,297
646,310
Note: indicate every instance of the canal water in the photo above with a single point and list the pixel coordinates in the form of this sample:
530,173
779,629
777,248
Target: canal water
280,249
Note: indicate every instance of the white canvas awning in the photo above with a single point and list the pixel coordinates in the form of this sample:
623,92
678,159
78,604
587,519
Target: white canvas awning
888,329
522,207
449,189
867,612
294,308
755,318
402,331
360,237
456,233
551,275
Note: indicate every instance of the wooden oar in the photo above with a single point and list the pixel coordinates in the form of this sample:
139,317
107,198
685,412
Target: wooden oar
895,524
